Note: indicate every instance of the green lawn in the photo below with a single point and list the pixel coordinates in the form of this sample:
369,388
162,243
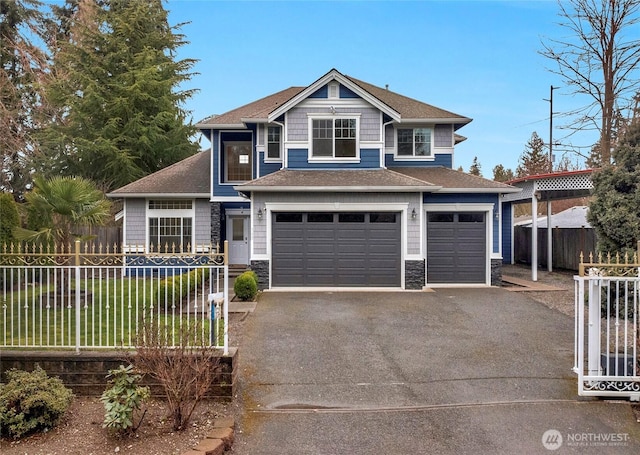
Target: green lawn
112,311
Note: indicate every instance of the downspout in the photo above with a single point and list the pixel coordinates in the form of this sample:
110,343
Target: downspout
384,152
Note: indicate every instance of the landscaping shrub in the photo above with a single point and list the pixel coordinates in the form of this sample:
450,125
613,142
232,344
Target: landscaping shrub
9,219
123,399
174,288
184,370
31,401
246,286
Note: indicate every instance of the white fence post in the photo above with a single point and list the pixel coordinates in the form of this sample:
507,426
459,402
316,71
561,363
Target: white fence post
77,293
593,363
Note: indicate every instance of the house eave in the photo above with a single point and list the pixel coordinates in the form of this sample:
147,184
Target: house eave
338,189
158,195
480,190
454,121
220,126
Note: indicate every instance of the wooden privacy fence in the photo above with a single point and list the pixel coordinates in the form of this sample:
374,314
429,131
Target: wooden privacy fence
568,244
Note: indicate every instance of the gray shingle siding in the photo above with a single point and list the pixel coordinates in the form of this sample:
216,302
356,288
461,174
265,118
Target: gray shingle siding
136,222
443,136
298,123
202,222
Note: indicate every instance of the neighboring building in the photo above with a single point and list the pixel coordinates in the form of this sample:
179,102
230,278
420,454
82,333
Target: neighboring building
337,184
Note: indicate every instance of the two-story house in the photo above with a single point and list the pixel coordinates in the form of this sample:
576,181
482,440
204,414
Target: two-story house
336,184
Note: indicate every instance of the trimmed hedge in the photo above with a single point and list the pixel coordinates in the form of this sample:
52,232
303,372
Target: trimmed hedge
246,286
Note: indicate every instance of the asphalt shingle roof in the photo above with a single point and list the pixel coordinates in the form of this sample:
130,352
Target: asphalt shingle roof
452,179
408,108
347,179
189,176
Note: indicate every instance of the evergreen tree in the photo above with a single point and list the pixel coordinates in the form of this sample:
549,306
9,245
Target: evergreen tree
475,168
534,160
22,65
115,84
614,211
502,174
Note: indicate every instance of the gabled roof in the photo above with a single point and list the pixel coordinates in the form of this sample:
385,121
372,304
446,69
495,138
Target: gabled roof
452,181
349,180
269,108
189,177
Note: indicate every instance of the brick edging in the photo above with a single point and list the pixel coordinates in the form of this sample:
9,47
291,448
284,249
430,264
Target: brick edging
218,440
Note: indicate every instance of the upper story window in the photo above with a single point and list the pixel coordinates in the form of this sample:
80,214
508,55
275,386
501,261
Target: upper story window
414,142
274,143
238,161
334,137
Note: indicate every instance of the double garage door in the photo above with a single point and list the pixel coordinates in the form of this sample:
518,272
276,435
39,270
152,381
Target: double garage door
336,249
456,247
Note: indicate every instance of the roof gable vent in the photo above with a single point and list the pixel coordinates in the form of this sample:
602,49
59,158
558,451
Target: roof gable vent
334,90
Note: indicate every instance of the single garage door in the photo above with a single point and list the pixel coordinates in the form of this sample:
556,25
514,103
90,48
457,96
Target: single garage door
336,249
456,247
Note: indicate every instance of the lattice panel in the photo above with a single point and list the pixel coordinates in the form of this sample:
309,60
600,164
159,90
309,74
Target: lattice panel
566,182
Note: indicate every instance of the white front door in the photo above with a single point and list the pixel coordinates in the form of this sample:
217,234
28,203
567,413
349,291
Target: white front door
238,236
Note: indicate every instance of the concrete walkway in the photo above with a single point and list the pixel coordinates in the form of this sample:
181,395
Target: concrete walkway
448,372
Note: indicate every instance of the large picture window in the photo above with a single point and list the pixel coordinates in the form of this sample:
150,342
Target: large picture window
238,161
170,225
414,142
334,138
167,235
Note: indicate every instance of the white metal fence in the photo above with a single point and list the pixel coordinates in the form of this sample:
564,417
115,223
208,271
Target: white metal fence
89,300
607,303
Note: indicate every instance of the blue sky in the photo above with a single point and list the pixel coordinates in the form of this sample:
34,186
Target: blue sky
476,58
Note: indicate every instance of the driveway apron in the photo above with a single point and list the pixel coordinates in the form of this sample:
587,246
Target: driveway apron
450,371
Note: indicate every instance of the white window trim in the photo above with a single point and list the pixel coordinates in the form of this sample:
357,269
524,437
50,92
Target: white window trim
170,213
332,159
430,157
267,159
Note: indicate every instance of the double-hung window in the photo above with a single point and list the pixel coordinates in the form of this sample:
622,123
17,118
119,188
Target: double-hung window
334,137
170,225
274,143
414,142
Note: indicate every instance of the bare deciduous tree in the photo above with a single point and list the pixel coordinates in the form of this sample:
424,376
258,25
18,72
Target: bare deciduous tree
599,61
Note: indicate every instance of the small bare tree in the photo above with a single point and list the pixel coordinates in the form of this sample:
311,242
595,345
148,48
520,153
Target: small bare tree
597,61
185,370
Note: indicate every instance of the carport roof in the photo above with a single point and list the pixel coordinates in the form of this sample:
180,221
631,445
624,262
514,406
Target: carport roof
351,180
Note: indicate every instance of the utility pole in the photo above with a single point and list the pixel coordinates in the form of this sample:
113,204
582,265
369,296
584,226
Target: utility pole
549,232
551,89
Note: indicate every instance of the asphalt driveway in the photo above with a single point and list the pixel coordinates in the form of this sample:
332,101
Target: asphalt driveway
450,371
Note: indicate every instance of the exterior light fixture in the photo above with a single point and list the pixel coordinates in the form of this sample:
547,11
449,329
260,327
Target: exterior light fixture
259,214
414,215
